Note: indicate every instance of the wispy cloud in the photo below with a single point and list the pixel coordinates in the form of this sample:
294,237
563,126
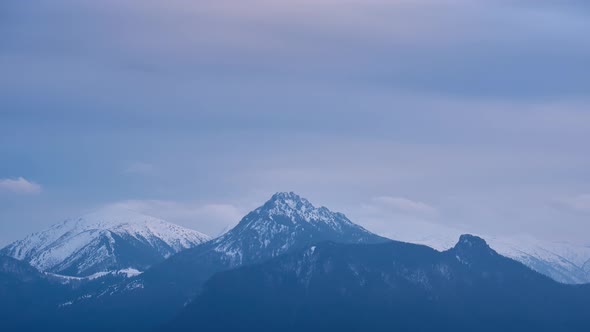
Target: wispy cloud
404,219
404,205
209,218
19,185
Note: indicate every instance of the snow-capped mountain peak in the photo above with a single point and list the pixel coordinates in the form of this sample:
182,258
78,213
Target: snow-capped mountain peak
284,222
288,204
104,240
298,209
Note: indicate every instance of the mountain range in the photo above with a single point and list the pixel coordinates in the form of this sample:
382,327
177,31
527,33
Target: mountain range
285,223
287,265
120,241
391,286
104,241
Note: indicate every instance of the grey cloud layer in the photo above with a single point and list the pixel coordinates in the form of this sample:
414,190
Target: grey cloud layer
479,108
478,49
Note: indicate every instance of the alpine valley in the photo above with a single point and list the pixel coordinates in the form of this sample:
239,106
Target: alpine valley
289,266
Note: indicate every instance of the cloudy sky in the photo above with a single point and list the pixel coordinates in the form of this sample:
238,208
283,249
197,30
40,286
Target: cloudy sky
461,113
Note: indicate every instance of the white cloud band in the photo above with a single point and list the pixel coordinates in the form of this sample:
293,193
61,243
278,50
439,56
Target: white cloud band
19,186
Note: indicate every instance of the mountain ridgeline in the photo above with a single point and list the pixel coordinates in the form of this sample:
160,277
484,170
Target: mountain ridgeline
392,286
287,266
283,224
107,240
286,222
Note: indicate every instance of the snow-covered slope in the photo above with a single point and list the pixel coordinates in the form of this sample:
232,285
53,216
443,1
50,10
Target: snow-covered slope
107,240
285,222
564,262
